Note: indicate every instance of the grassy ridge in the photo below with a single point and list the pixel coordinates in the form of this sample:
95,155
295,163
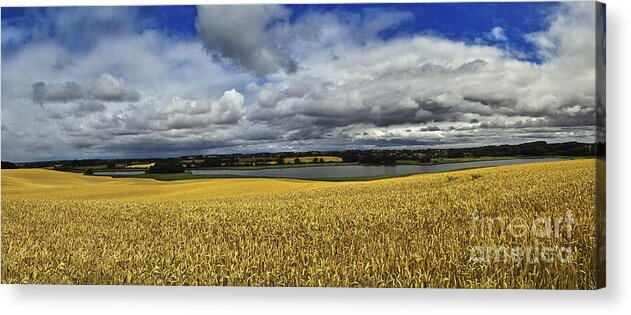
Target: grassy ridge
188,176
48,184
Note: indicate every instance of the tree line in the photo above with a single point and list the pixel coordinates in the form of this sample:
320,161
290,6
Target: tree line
377,156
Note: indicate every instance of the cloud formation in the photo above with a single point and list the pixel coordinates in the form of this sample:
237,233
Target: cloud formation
261,39
497,33
278,80
253,37
106,88
183,114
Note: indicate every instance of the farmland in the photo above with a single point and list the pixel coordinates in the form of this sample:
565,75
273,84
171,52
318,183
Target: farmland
308,159
140,166
415,231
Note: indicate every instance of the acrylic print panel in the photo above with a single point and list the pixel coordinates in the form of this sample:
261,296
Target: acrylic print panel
451,145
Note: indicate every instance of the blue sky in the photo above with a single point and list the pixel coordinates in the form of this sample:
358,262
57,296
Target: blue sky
462,21
172,80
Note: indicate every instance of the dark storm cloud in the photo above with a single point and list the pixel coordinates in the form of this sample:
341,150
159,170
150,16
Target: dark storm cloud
252,37
492,102
86,108
107,88
82,109
430,128
263,39
65,92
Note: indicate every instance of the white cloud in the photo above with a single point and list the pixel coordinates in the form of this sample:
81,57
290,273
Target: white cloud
110,88
183,113
571,36
497,33
229,108
425,79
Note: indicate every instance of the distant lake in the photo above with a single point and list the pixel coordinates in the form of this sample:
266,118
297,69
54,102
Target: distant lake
349,171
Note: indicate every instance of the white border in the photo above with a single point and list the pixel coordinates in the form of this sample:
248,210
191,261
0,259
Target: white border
178,300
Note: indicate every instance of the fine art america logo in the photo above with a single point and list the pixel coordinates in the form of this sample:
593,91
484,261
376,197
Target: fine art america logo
521,240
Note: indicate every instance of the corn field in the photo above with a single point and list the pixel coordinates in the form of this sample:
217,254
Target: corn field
416,231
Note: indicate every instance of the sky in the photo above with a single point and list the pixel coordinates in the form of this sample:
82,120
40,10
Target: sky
131,82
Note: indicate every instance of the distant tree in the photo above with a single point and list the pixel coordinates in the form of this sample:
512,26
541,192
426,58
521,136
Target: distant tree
8,165
296,161
111,165
377,159
455,153
321,160
88,172
315,160
389,160
62,167
426,158
349,156
280,161
211,163
233,161
165,167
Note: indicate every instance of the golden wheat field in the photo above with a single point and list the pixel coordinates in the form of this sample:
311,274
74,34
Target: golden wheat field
415,231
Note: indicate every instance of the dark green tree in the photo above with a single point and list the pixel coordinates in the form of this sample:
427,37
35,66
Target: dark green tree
166,167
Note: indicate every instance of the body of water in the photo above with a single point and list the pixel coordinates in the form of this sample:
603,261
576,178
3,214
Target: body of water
350,171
